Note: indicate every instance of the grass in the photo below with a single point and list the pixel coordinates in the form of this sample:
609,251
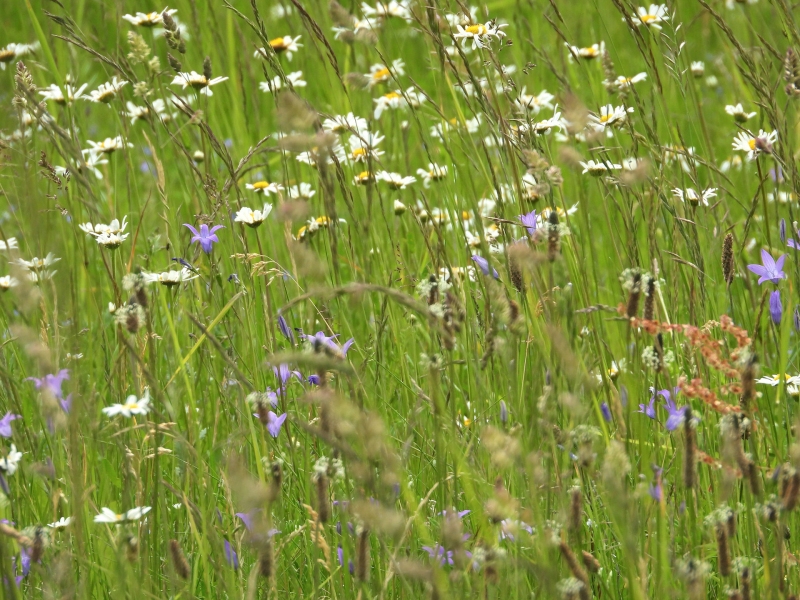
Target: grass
515,398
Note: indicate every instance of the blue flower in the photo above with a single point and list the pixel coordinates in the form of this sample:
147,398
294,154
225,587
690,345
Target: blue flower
771,269
775,307
206,237
529,221
5,424
52,383
483,265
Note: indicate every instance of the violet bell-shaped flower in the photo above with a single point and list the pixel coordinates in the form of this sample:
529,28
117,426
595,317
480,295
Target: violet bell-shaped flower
770,270
206,237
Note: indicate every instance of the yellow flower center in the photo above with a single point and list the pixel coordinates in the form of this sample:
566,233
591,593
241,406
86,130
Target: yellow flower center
588,52
260,185
301,233
605,118
465,215
381,74
391,96
752,144
6,55
323,221
119,517
359,152
648,19
476,29
278,44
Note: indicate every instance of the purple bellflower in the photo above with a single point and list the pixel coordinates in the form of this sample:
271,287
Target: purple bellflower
656,490
770,270
483,265
650,408
51,382
274,423
285,329
676,415
320,338
230,555
5,424
606,412
529,222
205,236
284,374
775,307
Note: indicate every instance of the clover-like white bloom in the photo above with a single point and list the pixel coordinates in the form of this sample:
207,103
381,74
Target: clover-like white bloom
276,83
343,123
132,406
738,113
434,172
599,167
109,516
395,180
754,145
10,463
14,51
170,278
533,104
588,53
106,92
480,34
56,94
265,187
693,197
253,218
197,81
151,19
283,45
651,17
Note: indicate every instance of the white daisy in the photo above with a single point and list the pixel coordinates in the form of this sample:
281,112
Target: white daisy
480,34
109,516
381,73
611,115
10,463
754,145
265,187
7,282
136,113
651,17
625,82
133,406
37,264
302,191
434,172
149,19
9,244
534,104
106,92
775,380
197,81
282,45
295,79
61,523
588,53
392,9
738,113
694,198
97,229
56,94
107,146
599,167
15,51
252,218
170,278
348,122
364,147
395,180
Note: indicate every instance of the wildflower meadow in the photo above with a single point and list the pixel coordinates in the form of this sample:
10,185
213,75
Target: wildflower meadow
407,299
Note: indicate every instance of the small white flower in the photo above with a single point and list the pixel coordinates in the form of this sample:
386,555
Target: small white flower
169,278
56,94
132,406
107,146
734,162
363,147
611,115
381,73
395,180
693,197
754,145
109,516
7,282
61,523
433,173
302,191
399,207
9,464
738,113
15,51
252,218
282,45
392,9
776,379
97,229
106,92
149,19
295,79
599,167
651,17
731,4
534,104
589,53
348,122
136,113
197,81
265,187
625,82
480,34
698,68
37,264
9,244
392,100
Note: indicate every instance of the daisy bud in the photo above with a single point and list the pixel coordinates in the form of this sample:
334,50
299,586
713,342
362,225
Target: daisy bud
399,207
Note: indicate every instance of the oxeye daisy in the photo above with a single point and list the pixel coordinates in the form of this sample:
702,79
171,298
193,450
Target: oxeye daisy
611,115
694,198
132,406
9,244
588,53
343,123
150,19
623,82
114,227
197,81
738,113
39,266
533,104
170,278
109,516
364,147
755,145
265,187
252,218
106,92
386,10
10,463
434,172
107,146
14,51
392,100
276,83
283,45
651,17
136,113
56,94
7,282
395,180
480,34
301,191
381,73
364,178
599,167
775,380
